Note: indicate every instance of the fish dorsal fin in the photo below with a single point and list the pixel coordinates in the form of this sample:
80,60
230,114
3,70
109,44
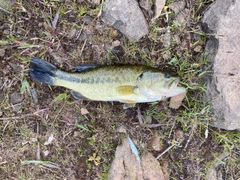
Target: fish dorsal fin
81,68
126,89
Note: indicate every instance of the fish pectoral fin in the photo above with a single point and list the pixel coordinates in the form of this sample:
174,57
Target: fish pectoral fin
82,68
126,89
77,95
128,105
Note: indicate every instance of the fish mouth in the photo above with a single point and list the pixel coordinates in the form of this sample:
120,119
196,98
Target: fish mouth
169,85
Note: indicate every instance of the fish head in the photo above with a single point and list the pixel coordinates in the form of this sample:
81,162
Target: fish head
155,85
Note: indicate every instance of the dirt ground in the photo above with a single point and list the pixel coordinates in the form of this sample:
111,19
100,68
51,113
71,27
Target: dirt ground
46,134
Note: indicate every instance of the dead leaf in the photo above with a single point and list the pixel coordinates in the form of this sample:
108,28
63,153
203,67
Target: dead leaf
84,111
176,101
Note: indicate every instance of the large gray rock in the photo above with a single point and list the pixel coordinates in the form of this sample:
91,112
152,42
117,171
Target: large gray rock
126,16
223,87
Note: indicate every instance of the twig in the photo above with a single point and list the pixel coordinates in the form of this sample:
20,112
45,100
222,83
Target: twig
38,144
174,143
5,127
139,116
83,47
25,115
79,32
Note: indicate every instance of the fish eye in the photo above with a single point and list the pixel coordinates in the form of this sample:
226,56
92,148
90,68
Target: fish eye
166,75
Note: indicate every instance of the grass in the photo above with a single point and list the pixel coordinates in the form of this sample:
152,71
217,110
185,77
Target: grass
84,145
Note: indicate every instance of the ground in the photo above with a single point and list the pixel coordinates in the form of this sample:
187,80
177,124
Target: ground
46,134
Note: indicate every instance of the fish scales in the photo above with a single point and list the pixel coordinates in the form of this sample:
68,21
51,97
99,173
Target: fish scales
100,83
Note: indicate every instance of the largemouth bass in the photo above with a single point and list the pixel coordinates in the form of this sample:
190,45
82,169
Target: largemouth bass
129,84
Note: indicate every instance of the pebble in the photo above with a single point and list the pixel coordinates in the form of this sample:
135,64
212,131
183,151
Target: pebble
197,48
179,135
177,6
166,39
72,33
16,68
2,52
182,17
122,129
149,119
167,55
16,98
76,134
95,2
116,43
87,19
154,143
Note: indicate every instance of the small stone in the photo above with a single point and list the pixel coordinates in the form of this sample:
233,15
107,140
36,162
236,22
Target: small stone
197,48
149,119
166,56
116,43
46,153
182,17
2,52
166,39
87,19
177,6
154,143
6,31
4,26
122,129
76,134
16,98
179,135
16,68
34,140
95,2
72,33
159,4
16,107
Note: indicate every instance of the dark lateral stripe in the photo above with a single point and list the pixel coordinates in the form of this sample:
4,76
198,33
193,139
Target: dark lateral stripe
91,80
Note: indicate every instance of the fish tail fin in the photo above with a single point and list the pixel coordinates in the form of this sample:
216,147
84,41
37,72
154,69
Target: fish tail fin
42,71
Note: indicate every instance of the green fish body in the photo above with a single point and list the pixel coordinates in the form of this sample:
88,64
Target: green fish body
129,84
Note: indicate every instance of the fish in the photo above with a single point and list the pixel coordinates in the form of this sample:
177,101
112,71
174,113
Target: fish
128,84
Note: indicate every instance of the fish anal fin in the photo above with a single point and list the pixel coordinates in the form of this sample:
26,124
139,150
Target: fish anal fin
126,90
128,105
77,95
